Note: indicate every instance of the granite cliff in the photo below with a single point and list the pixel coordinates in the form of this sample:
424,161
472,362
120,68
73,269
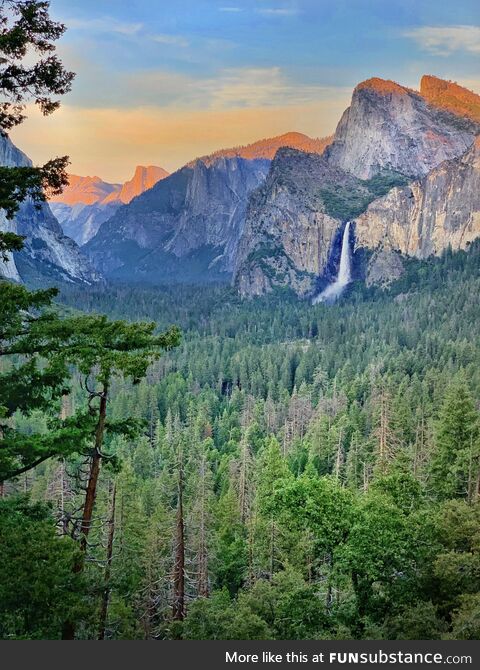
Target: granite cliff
405,171
189,225
47,253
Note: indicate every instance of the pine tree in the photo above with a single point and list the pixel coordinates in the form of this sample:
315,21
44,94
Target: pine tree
455,464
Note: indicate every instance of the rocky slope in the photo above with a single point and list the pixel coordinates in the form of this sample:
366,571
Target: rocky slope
292,222
267,148
406,173
188,227
185,228
48,253
391,127
87,202
450,96
428,215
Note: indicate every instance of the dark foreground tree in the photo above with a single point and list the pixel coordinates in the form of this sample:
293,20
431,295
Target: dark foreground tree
37,585
26,29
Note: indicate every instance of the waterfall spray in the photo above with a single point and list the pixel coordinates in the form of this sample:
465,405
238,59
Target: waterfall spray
344,277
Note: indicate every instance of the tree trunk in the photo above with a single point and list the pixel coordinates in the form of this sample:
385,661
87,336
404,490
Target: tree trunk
69,627
108,568
202,586
178,609
94,472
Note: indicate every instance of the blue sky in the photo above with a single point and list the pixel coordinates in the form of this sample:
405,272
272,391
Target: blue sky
161,82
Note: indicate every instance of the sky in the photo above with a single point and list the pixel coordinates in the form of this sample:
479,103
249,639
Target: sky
162,82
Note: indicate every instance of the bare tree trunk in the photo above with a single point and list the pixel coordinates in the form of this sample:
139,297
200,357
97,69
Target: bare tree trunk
178,609
202,586
94,472
108,568
69,626
272,548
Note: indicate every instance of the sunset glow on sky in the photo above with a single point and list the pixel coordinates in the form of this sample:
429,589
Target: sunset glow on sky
162,82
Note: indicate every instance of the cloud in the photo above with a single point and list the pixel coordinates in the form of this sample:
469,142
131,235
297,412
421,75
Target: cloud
230,9
277,11
173,40
231,88
444,40
104,25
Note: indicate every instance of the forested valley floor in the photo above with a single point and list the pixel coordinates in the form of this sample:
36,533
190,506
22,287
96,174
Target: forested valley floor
301,472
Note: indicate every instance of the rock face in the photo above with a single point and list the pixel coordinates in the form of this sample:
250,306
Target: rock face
430,214
391,127
405,171
189,226
144,178
291,223
185,228
87,202
48,253
450,96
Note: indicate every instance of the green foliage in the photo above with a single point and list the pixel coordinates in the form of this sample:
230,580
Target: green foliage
457,453
346,203
9,242
272,411
37,585
25,27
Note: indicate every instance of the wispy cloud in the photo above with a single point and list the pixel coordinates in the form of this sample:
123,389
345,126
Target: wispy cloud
173,40
444,40
105,25
277,11
231,88
230,9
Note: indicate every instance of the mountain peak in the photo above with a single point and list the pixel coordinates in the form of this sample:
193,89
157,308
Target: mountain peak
85,191
144,178
267,148
450,96
392,128
383,86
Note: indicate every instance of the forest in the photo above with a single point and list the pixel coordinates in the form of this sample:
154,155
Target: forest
178,463
282,471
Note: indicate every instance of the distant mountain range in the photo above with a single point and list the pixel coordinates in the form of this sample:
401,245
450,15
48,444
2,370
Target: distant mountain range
89,201
402,166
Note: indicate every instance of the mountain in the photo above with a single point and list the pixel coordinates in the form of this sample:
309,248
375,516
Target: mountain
185,228
48,253
267,148
143,179
85,191
89,201
430,214
388,126
402,169
188,226
450,96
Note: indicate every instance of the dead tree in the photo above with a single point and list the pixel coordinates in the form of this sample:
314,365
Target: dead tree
108,567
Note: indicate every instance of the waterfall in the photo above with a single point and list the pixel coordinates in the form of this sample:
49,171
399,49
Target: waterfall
344,277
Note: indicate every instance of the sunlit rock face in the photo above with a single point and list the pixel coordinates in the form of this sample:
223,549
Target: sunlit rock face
423,156
451,97
391,127
48,253
87,202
